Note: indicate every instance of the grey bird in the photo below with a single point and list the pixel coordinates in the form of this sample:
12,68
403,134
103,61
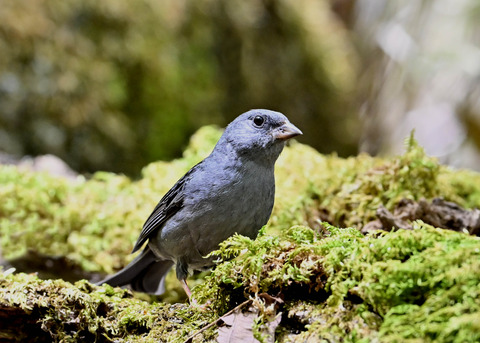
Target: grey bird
230,191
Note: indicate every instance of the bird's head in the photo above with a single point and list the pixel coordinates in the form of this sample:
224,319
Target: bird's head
258,133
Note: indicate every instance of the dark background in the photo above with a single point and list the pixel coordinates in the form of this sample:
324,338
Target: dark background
112,85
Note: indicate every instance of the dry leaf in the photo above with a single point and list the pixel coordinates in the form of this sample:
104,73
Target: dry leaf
237,327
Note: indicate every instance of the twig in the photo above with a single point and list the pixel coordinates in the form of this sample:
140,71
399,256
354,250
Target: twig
190,338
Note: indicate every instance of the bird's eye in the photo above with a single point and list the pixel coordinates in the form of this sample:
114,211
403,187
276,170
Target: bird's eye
258,121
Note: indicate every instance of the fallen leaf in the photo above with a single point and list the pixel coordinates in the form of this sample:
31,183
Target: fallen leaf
238,327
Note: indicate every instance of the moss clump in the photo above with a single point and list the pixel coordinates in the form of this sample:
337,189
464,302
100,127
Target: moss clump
92,224
404,285
347,192
329,283
55,310
408,285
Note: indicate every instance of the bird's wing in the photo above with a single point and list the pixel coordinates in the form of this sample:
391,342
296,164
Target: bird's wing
170,204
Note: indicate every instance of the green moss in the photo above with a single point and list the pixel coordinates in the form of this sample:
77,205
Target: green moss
463,186
404,285
335,283
82,312
420,284
356,187
347,192
93,223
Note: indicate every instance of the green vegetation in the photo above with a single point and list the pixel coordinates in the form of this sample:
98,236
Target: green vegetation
83,312
402,286
347,192
420,284
91,223
329,283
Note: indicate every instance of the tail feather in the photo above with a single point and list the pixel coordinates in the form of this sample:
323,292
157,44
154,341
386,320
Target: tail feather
144,274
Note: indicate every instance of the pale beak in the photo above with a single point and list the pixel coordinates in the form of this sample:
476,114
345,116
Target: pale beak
286,131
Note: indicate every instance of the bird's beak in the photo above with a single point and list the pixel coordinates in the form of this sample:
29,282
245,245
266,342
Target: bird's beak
286,131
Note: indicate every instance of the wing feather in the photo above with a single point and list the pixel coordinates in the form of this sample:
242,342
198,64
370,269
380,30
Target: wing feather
170,204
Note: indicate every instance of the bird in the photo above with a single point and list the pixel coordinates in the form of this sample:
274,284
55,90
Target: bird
230,191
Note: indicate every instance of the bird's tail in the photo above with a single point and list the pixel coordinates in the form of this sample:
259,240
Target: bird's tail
144,274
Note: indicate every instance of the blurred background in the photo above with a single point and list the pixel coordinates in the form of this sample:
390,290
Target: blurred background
112,85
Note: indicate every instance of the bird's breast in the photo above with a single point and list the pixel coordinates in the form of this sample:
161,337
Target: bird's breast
218,205
242,204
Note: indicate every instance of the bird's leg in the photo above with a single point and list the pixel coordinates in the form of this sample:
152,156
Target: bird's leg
182,273
186,289
193,302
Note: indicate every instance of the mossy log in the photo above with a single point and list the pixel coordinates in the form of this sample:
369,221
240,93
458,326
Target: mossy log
311,275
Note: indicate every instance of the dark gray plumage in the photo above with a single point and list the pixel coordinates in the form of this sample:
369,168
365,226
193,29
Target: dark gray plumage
232,190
